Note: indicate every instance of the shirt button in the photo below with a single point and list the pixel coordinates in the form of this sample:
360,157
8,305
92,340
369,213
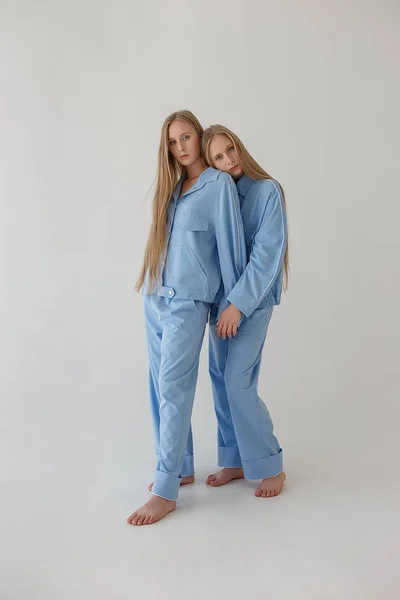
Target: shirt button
170,293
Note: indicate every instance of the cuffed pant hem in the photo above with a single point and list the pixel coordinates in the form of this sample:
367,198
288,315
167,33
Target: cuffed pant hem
187,467
166,485
229,456
262,468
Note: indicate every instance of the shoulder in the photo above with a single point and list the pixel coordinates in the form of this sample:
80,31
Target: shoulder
221,179
220,183
226,184
224,177
266,191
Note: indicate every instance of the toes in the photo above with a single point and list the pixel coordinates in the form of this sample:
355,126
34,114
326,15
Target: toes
267,493
137,519
131,517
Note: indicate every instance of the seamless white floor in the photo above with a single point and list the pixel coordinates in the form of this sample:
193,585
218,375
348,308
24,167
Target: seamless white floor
79,465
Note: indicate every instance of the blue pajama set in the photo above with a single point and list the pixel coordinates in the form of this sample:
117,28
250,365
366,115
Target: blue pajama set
245,430
206,251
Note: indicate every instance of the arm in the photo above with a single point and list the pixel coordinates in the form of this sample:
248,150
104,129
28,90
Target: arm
266,256
229,235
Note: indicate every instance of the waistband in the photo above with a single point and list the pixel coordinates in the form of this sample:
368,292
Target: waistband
183,293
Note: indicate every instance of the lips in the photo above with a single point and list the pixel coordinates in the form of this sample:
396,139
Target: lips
184,156
233,168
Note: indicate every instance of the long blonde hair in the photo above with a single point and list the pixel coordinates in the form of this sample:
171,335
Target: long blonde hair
249,166
168,174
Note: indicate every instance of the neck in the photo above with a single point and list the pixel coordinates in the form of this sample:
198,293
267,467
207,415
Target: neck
195,169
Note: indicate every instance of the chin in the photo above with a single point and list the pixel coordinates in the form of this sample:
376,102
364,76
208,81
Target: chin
235,176
189,161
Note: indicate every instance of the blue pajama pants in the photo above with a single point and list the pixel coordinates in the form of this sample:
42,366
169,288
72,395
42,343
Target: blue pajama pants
245,429
175,332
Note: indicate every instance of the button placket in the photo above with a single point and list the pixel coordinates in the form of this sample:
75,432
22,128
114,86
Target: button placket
171,224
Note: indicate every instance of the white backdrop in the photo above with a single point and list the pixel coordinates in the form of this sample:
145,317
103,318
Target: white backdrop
312,89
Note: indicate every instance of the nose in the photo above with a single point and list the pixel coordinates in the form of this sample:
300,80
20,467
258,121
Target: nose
181,147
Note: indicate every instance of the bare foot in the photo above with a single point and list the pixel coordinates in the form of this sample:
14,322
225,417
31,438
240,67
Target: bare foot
270,487
185,481
154,510
225,476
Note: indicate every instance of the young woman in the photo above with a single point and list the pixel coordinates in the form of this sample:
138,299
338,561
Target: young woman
247,446
195,246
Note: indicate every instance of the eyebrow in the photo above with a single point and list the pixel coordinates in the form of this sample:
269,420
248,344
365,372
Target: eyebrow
226,148
185,133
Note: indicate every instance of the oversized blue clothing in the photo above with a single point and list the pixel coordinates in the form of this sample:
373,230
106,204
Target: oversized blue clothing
205,252
245,429
206,249
264,221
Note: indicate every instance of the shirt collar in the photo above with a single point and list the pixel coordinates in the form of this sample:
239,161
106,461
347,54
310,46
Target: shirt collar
209,174
244,184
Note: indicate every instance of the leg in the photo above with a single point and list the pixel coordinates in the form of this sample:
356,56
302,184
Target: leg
228,451
259,448
154,341
183,323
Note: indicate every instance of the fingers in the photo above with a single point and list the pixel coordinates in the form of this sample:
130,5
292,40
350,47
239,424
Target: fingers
226,329
221,329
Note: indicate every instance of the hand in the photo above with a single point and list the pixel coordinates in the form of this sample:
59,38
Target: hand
228,322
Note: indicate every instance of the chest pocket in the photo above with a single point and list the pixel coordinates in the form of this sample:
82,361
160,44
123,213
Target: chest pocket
191,221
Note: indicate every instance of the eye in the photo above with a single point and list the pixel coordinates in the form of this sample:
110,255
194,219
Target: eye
186,137
230,149
172,142
218,157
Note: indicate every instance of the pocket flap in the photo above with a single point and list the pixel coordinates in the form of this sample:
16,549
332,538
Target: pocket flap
191,221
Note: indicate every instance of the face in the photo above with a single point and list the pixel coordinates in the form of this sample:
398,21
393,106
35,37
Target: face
183,143
224,156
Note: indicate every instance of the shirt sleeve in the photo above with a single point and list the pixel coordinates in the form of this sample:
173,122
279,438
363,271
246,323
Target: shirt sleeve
267,254
228,227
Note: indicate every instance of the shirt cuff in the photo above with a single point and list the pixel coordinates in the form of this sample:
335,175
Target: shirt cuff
242,300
